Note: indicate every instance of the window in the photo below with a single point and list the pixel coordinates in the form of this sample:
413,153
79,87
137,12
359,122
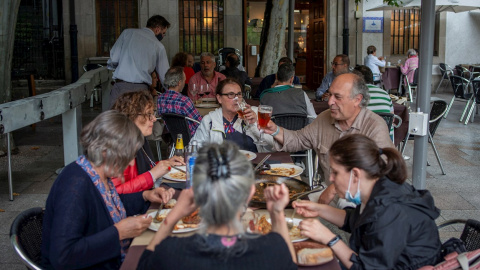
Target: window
201,26
405,31
113,16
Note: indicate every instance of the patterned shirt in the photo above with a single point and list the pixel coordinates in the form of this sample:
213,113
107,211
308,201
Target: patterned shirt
380,102
173,102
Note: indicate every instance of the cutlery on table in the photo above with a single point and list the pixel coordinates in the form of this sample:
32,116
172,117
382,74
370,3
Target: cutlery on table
178,169
155,220
261,162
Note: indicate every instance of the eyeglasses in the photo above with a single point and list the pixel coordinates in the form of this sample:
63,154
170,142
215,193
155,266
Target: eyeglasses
149,116
232,95
337,64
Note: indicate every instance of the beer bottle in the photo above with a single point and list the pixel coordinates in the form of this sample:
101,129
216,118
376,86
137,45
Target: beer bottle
179,151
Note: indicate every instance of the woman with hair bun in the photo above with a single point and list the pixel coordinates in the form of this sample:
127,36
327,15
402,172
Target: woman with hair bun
223,185
393,225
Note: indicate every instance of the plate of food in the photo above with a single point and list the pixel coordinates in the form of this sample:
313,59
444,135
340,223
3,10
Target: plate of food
310,253
283,169
264,226
186,224
176,175
248,154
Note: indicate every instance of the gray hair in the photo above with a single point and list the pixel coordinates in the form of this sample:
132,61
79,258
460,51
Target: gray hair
285,72
360,88
173,76
411,52
207,54
222,181
111,140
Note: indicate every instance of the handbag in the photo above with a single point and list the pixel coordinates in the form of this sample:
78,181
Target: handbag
453,261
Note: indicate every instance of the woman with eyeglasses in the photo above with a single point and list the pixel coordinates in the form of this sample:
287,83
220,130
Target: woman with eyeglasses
139,107
225,123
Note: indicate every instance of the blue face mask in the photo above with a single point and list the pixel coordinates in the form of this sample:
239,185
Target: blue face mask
348,196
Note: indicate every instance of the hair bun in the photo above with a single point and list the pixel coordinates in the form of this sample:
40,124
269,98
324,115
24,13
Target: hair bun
218,164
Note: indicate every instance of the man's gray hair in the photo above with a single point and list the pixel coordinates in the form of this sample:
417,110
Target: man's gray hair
360,88
173,76
207,54
285,72
222,180
111,140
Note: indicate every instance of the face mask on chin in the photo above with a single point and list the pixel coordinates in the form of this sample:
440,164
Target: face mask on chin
159,37
348,196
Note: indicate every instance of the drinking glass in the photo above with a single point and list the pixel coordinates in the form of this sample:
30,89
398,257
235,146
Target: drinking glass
201,93
241,106
207,90
264,115
194,92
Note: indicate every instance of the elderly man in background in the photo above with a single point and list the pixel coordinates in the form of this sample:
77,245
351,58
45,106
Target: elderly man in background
270,80
340,65
286,99
172,101
135,55
206,79
374,62
347,115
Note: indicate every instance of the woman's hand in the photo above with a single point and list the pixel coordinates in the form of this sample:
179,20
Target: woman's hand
164,166
306,208
314,229
249,115
131,227
159,195
277,198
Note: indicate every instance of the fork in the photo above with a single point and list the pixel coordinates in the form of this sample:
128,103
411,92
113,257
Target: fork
155,220
290,221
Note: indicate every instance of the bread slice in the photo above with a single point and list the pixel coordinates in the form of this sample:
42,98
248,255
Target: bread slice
314,256
170,204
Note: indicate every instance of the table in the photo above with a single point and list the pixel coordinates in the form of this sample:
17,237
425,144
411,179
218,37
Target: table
140,243
400,110
391,78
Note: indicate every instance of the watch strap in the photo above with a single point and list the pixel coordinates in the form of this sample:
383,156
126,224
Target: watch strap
334,240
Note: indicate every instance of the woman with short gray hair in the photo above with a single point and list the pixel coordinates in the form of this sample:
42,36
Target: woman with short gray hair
408,69
223,185
87,224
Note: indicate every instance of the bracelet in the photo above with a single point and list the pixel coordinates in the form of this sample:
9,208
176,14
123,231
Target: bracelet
276,132
334,240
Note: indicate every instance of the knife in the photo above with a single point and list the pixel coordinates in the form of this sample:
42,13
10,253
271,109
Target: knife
261,162
155,220
178,169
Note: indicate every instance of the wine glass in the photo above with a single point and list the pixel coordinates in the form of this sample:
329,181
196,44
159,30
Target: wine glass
194,92
241,106
207,90
264,115
201,93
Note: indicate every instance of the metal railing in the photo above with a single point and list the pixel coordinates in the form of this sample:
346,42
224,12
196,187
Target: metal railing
65,101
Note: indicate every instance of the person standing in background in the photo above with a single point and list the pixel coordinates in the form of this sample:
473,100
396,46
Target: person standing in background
135,55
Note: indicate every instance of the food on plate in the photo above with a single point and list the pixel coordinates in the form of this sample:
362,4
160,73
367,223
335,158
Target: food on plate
161,217
314,256
263,226
180,226
170,204
193,218
279,171
260,187
178,175
247,155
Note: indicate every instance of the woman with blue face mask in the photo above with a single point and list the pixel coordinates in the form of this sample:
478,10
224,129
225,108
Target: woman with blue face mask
393,225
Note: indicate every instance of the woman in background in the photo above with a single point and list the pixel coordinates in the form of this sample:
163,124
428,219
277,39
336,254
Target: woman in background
410,65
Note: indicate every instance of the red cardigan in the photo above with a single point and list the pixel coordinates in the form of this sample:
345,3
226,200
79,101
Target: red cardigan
133,181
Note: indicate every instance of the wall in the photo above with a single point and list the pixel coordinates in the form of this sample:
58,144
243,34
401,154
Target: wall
375,39
462,36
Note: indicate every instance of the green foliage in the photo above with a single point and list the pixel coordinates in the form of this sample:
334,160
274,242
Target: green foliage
389,2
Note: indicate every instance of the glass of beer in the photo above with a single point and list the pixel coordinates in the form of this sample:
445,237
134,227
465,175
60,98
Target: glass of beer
264,115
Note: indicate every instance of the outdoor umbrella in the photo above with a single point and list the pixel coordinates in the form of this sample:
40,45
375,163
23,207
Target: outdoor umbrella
440,6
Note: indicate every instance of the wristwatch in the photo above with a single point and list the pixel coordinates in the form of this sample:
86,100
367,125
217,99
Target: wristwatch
334,240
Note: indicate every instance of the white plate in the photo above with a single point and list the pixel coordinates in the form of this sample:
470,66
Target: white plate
297,237
207,105
248,154
298,170
208,99
154,226
172,177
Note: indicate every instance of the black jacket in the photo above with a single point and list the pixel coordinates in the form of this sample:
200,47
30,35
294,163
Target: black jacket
396,230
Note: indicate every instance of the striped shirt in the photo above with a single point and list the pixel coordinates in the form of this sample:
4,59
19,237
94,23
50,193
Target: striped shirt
380,102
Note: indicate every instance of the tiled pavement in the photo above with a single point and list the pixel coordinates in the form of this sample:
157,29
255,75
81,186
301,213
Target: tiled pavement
41,154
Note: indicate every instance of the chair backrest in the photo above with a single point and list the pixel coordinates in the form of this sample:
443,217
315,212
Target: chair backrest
223,52
471,235
476,90
291,121
459,86
443,69
388,117
415,77
439,107
177,124
26,236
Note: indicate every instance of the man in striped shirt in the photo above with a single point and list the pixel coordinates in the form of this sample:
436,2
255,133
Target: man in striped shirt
380,101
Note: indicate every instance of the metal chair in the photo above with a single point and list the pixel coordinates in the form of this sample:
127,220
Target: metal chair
470,234
26,236
446,71
439,108
412,86
297,122
388,117
178,124
476,100
460,91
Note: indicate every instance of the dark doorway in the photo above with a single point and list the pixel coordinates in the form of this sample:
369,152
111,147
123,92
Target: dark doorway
316,44
38,46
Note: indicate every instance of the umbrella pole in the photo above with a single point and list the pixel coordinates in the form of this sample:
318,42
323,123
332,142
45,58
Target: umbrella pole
427,30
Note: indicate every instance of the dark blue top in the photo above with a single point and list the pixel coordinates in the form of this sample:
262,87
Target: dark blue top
267,83
78,231
240,138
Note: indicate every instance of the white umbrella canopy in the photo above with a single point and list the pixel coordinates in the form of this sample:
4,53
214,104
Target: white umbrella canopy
440,5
